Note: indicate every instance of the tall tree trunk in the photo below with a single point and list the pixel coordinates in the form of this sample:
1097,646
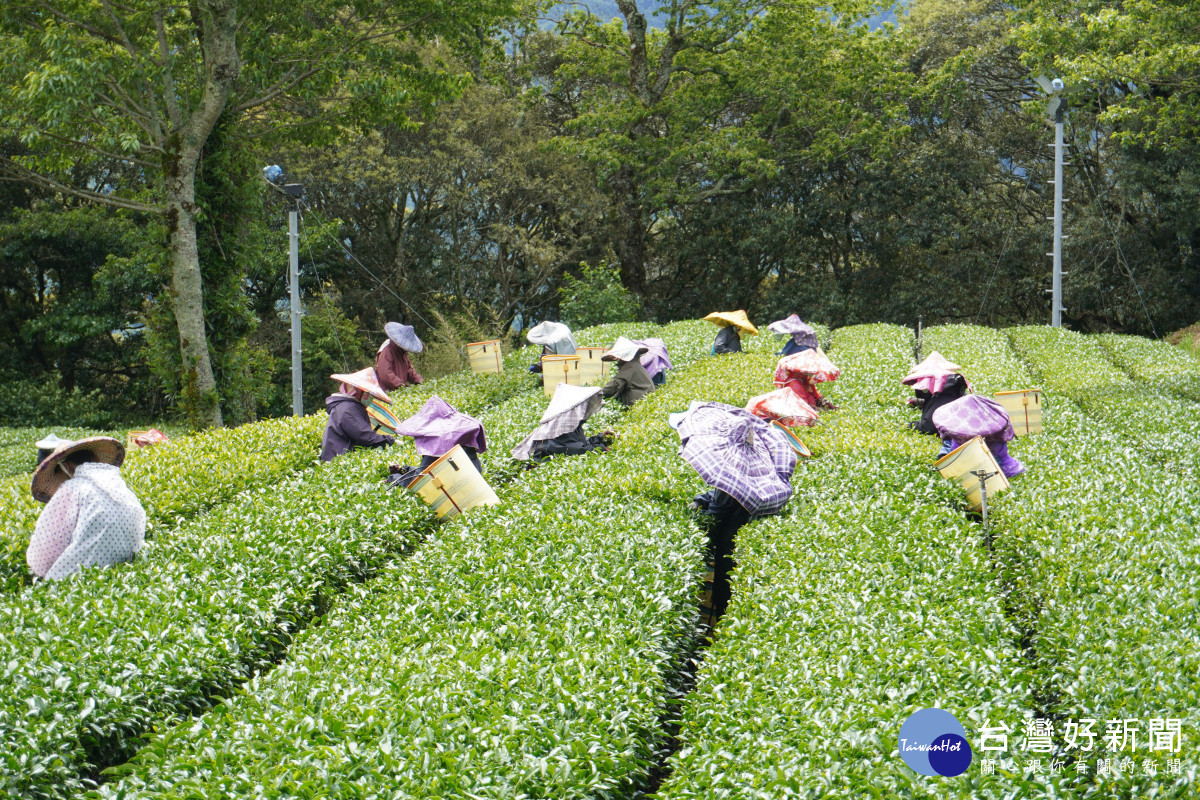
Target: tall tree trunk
216,24
631,231
187,300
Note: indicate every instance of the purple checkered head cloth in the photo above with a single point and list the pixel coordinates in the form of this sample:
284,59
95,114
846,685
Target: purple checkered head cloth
740,454
438,426
973,415
656,359
801,332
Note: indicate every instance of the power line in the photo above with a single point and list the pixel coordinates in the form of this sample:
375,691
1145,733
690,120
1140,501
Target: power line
378,280
332,324
1120,250
1003,250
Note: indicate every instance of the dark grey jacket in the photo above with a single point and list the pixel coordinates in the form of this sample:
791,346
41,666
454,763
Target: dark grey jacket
728,340
630,383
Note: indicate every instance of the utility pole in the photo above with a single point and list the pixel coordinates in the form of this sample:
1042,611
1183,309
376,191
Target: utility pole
295,192
1057,109
1056,308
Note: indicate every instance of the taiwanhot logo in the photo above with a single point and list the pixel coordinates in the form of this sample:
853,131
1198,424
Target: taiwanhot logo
933,742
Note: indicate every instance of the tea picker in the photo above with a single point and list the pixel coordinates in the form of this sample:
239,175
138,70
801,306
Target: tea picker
656,360
974,415
349,425
450,478
91,517
438,427
393,369
801,335
748,463
732,325
555,339
935,382
560,430
631,382
802,372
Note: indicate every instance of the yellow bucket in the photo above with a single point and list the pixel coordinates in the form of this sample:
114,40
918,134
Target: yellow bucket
559,369
793,439
959,463
1024,407
383,421
452,485
592,369
485,356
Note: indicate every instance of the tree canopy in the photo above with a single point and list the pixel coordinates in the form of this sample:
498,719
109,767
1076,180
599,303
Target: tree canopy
466,160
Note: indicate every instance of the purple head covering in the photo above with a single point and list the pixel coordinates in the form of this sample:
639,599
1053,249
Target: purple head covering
742,455
973,415
656,359
801,332
438,426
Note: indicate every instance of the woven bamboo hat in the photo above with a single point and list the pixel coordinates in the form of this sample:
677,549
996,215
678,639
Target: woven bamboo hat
364,379
625,350
404,336
738,319
48,477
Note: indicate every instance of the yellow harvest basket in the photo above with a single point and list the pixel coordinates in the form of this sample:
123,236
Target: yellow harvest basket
559,369
485,356
1024,408
452,485
382,419
793,439
961,464
592,369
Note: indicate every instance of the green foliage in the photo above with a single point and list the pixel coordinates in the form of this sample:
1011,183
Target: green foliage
74,349
544,628
596,297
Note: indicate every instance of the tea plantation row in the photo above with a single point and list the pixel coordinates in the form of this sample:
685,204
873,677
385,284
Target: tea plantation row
208,604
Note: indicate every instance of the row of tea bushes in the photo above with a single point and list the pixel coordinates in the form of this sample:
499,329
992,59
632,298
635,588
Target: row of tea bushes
178,479
108,655
1105,541
524,650
1093,557
871,597
215,600
93,663
1161,424
1155,362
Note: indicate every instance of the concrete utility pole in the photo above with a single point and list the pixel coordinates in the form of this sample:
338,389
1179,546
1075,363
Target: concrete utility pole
1057,109
295,191
1056,307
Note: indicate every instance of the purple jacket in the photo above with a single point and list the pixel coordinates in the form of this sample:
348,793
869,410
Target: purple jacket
348,427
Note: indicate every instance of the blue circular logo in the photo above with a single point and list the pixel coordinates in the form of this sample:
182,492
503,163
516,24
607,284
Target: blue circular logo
933,742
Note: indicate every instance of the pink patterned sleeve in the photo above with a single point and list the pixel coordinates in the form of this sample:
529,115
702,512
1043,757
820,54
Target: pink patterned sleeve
54,530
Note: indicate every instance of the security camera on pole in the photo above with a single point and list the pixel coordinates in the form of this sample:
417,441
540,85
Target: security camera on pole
1056,107
295,192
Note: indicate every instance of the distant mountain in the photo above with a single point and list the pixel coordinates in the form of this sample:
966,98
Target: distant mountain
607,9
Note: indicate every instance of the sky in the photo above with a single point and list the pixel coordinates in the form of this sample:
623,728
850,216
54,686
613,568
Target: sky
607,9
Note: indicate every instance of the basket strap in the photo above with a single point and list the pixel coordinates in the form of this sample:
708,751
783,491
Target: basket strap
438,483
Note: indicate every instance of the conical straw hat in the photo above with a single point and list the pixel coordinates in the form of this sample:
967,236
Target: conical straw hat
738,319
624,350
364,379
48,477
404,336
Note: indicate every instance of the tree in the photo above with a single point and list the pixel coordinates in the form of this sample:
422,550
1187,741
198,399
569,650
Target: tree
146,82
473,213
